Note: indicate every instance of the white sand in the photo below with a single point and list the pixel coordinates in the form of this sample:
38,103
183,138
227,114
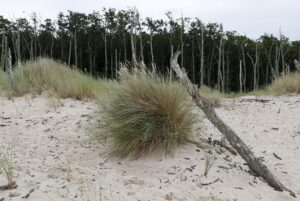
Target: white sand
45,141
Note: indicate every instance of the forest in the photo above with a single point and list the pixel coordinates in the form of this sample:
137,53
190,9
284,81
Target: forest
99,42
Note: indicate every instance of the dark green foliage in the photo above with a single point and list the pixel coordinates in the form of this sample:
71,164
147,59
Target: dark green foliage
80,39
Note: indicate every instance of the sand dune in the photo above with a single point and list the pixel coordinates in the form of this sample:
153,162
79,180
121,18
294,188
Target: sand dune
53,155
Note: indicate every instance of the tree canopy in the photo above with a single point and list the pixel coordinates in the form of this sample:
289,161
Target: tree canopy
98,42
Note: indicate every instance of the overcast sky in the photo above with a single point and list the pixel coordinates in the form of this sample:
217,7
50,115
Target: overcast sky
250,17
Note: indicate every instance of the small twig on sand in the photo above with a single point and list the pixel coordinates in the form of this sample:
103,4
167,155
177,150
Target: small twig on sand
28,194
212,182
276,156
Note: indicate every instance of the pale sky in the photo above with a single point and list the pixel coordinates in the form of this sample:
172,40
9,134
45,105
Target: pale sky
249,17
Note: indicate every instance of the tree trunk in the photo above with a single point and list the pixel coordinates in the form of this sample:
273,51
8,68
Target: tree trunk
3,52
70,53
125,51
62,52
75,50
219,64
202,57
255,67
181,40
253,162
223,70
9,68
133,52
193,58
111,56
105,52
141,46
31,48
244,68
18,48
151,48
171,70
241,78
116,63
277,58
51,48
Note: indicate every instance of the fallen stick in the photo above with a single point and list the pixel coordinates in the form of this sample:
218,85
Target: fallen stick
212,182
276,156
29,193
252,161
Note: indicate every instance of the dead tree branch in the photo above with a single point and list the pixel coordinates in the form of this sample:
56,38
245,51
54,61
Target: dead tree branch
253,162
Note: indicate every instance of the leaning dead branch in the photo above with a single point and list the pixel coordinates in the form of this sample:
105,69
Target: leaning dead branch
254,163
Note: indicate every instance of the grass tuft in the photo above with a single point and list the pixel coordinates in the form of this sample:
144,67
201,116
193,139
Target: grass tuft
213,96
6,166
47,75
147,114
285,84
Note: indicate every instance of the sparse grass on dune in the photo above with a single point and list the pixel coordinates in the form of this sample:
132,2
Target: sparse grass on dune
4,83
213,96
65,82
147,114
285,84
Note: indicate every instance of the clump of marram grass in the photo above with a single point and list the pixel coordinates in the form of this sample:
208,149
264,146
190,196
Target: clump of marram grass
147,114
285,84
212,96
65,82
6,167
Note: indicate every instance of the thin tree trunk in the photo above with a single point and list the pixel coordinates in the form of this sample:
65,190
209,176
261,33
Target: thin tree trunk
9,68
62,52
125,51
219,64
105,51
51,48
171,70
244,68
193,58
141,46
111,56
90,57
255,65
241,78
18,48
31,48
151,48
133,51
3,52
202,57
227,70
75,49
223,70
70,53
116,63
181,40
254,163
277,58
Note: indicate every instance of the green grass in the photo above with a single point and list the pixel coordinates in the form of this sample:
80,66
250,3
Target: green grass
42,75
147,114
283,85
6,167
214,97
4,83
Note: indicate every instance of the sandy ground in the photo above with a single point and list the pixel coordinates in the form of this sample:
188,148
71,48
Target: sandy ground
53,155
